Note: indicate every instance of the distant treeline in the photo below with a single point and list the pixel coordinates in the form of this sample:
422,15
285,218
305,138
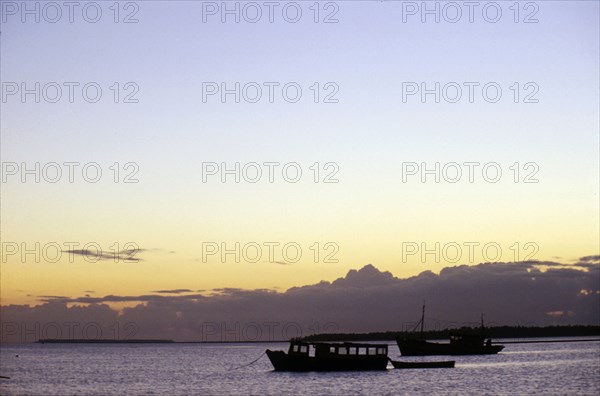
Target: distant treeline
100,341
491,332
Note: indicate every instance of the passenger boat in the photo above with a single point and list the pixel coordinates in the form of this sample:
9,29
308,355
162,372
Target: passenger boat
460,344
321,356
420,365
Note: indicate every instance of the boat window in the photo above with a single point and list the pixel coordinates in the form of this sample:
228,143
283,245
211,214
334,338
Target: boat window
362,351
371,351
343,351
332,349
381,351
304,349
295,348
352,351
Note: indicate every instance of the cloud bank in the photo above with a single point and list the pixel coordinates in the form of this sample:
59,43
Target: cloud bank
365,300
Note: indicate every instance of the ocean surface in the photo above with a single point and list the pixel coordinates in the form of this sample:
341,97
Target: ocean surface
214,369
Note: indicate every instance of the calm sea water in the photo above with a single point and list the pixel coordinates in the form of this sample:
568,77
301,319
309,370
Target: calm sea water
201,369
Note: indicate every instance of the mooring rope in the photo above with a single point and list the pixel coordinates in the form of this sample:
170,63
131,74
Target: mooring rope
234,368
249,364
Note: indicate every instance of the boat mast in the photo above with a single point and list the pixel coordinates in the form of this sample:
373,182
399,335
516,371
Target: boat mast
422,319
482,328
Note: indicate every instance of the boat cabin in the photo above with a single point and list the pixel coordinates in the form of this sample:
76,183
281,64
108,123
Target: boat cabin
299,348
466,339
346,349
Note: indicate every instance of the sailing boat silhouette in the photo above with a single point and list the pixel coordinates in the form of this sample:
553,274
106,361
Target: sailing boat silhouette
460,343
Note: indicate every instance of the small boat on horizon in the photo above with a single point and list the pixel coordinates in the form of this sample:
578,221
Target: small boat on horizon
460,344
322,356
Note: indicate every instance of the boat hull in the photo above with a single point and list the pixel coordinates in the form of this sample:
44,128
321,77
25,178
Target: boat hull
425,348
421,365
285,362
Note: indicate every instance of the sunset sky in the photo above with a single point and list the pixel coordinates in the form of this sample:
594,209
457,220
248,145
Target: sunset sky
367,141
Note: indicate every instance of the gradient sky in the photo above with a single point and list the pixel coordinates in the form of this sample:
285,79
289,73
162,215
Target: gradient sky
369,213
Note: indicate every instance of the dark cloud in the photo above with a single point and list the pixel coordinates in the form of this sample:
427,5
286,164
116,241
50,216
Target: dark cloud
52,298
124,255
123,299
521,293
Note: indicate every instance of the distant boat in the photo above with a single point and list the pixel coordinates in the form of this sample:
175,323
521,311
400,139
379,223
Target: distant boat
460,344
419,365
321,356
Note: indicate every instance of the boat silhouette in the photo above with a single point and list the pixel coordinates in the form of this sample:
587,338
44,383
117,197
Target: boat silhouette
460,344
420,365
322,356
